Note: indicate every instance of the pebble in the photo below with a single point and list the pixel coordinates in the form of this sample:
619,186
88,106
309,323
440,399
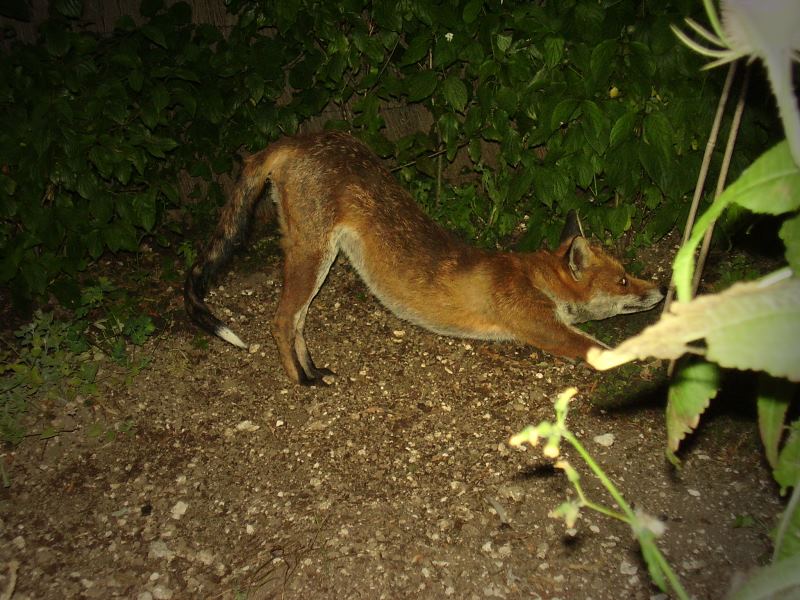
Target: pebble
606,440
627,568
179,509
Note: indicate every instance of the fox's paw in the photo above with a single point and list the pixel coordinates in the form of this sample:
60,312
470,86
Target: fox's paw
322,378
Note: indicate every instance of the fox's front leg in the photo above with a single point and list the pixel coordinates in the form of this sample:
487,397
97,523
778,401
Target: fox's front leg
560,339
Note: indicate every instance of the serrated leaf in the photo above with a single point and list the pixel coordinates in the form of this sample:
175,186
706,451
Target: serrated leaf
622,129
507,99
56,39
160,97
144,209
135,80
421,85
255,86
368,46
602,61
618,219
657,132
595,126
503,42
472,10
154,34
564,112
773,399
770,185
455,93
759,329
780,579
417,49
553,51
72,9
691,390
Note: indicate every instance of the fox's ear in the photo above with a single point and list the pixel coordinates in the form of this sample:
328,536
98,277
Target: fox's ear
572,227
579,257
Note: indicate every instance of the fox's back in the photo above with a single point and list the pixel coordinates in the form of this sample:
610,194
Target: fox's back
333,189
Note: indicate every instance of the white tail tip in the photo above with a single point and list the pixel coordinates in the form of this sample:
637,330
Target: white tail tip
230,337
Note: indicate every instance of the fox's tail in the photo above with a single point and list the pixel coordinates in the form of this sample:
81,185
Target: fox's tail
234,224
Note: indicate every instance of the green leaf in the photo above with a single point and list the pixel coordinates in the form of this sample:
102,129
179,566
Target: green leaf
255,85
780,579
417,49
618,219
595,126
368,46
602,61
153,33
553,51
691,390
770,185
472,10
507,99
56,38
657,132
502,43
455,93
790,234
759,328
622,129
136,80
72,9
144,209
160,97
564,112
774,395
421,85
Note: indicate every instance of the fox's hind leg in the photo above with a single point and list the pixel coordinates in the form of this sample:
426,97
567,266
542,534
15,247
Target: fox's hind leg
304,271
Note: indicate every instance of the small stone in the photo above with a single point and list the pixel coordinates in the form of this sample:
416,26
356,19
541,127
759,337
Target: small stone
159,549
627,568
247,426
179,509
162,593
606,440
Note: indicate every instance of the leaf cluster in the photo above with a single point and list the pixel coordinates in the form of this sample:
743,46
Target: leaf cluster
544,107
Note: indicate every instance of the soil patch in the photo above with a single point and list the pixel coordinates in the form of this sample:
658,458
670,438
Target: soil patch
224,480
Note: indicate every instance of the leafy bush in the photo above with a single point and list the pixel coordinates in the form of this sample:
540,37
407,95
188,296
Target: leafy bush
582,105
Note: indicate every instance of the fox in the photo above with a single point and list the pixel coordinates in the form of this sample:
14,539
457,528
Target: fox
333,195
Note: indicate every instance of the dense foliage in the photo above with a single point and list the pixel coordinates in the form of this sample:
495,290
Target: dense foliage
579,104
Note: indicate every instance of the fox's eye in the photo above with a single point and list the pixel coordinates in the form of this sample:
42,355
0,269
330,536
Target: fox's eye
623,282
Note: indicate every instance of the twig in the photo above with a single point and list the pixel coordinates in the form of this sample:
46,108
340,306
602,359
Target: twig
701,181
701,177
723,175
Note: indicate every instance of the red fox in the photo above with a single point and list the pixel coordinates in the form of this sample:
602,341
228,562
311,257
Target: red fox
333,194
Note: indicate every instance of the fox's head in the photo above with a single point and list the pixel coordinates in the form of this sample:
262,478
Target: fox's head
600,286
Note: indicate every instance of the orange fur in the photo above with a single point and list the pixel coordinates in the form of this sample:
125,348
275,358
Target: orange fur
333,194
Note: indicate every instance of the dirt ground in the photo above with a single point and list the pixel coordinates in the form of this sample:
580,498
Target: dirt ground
397,481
